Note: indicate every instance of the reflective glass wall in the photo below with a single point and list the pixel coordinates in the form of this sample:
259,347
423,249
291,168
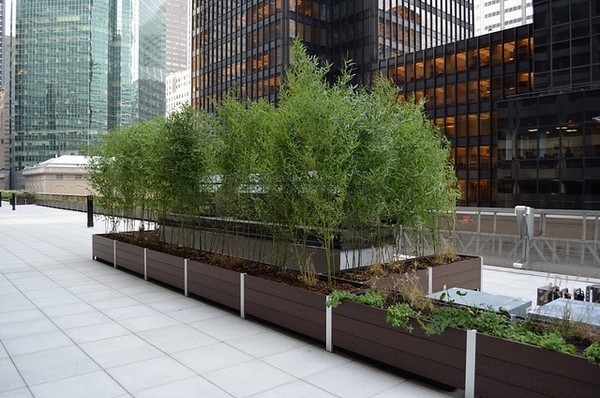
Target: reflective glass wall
82,67
461,84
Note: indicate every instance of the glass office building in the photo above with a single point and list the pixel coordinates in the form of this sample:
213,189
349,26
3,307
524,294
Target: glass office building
244,45
521,107
81,67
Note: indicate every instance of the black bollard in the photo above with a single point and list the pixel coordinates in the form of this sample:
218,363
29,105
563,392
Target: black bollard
13,200
0,198
90,211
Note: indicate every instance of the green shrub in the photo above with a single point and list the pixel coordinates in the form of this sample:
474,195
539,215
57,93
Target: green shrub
592,353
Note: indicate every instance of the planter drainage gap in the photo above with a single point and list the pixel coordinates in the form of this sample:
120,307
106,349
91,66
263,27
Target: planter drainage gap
328,326
470,354
242,307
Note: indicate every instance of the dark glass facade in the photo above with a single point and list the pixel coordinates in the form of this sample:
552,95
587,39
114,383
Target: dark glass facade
462,83
244,45
82,67
521,107
549,151
567,43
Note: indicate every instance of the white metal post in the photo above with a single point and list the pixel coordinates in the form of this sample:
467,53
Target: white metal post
470,355
328,326
242,304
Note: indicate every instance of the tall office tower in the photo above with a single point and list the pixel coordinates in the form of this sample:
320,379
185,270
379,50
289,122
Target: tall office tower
177,80
82,67
178,36
495,15
244,46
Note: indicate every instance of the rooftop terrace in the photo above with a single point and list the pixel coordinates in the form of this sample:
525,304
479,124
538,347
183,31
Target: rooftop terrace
71,326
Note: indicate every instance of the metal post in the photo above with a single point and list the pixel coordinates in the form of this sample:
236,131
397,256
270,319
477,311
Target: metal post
470,354
90,211
13,200
0,198
242,298
328,326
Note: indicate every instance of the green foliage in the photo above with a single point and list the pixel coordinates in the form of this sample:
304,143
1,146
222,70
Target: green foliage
120,169
330,160
592,353
400,315
371,299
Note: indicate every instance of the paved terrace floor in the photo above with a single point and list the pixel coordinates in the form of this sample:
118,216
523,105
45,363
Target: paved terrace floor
73,327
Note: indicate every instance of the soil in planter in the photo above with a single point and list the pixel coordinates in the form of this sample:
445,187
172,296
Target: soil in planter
367,273
149,239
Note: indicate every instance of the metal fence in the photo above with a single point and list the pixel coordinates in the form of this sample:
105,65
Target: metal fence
563,241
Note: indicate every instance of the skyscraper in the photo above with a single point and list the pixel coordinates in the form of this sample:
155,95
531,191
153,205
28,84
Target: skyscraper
495,15
82,67
245,45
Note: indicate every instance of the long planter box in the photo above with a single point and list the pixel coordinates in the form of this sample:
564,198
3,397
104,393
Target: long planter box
290,307
363,330
501,368
213,283
165,268
103,249
465,273
510,369
130,257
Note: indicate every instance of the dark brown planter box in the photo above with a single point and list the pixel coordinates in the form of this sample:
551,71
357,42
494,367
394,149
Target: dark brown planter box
165,268
293,308
213,283
103,249
465,273
363,330
510,369
130,257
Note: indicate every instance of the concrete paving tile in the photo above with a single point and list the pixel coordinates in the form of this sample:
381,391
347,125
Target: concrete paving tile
145,323
16,305
154,296
99,331
68,309
229,327
92,317
418,389
49,365
47,302
177,338
101,293
197,313
305,361
132,311
36,342
150,373
120,350
212,357
20,316
248,378
295,389
10,380
364,382
174,304
96,384
107,304
192,387
44,293
265,344
18,393
26,328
